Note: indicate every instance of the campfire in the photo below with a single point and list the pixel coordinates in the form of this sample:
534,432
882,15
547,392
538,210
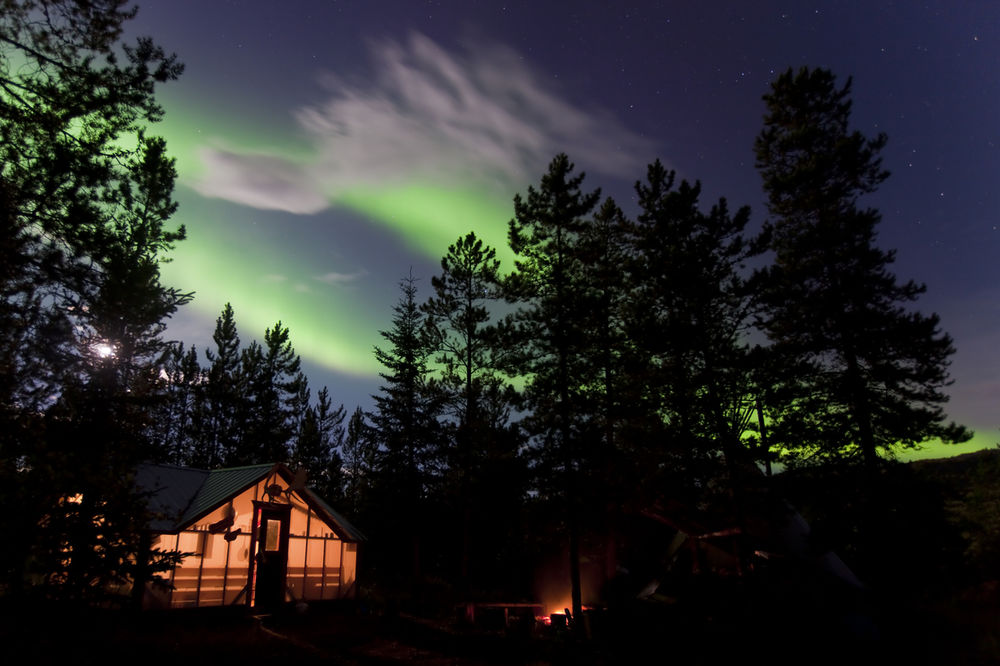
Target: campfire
557,620
558,614
498,615
552,589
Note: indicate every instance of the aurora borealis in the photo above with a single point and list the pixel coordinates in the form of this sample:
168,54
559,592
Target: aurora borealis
325,149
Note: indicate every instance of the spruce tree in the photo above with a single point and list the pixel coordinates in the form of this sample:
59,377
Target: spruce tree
178,419
223,406
865,374
406,427
549,284
689,315
466,336
606,291
317,446
359,454
85,197
273,389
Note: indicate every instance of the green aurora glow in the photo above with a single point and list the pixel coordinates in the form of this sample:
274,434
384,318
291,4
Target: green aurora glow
226,261
334,327
188,130
984,438
430,218
223,268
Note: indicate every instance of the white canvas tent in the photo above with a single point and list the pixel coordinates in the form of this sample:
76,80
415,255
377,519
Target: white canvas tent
255,536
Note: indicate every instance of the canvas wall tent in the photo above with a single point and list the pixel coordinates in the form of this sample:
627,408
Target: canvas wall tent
256,536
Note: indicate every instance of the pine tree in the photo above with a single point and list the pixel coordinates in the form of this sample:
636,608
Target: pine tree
405,425
317,446
549,282
178,417
223,408
359,453
865,374
463,333
465,338
606,291
689,317
273,385
73,109
85,196
100,425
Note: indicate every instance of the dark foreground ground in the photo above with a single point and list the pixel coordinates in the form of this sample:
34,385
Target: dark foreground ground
955,633
937,602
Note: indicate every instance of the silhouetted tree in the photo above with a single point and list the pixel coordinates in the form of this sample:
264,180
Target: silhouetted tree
179,417
466,337
405,425
865,375
100,425
606,289
690,315
273,388
317,447
359,453
224,401
549,284
84,199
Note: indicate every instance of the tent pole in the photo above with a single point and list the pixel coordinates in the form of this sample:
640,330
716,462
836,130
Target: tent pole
305,558
340,587
173,569
225,572
201,567
322,585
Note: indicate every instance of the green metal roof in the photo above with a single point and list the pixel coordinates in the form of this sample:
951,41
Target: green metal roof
221,486
170,490
179,496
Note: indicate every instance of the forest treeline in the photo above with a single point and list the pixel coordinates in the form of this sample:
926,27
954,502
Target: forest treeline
663,356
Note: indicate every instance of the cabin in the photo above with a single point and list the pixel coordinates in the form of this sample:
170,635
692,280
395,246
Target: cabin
253,536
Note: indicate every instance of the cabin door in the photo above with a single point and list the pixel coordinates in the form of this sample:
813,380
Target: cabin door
271,558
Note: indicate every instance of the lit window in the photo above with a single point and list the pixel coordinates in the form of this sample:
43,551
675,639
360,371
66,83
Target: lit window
273,532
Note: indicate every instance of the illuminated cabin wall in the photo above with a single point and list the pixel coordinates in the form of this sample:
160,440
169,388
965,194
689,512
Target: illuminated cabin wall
320,565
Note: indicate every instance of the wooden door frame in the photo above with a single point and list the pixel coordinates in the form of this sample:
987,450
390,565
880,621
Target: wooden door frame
284,512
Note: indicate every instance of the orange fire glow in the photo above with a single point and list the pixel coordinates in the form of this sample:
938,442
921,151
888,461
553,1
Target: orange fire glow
558,605
558,611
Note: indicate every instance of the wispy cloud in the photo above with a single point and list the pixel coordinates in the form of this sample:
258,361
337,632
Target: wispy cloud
260,181
272,278
334,278
481,117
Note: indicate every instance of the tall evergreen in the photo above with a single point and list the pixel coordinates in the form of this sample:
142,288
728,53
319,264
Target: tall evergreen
317,446
359,455
463,330
466,339
98,428
273,388
178,420
690,314
406,427
223,407
606,290
549,284
866,374
85,197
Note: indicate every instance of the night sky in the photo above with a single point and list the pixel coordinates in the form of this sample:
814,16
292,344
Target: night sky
326,148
